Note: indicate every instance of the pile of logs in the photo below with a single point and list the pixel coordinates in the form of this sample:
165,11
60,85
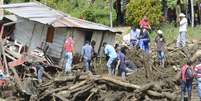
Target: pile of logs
161,83
88,87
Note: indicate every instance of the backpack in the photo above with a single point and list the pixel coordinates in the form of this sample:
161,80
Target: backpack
189,73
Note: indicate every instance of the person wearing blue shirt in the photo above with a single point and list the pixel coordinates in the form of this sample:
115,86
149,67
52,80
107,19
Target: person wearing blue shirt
121,65
111,53
87,52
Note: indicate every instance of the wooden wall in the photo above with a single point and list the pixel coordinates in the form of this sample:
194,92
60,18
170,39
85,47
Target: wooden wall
56,47
30,33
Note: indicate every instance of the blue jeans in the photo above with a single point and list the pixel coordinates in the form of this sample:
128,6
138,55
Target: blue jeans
199,87
161,56
109,65
144,45
40,72
69,60
181,39
87,64
186,85
122,70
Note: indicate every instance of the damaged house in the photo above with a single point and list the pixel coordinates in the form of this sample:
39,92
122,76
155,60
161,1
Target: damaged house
40,26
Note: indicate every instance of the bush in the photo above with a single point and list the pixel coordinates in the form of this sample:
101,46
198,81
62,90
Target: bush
137,9
88,14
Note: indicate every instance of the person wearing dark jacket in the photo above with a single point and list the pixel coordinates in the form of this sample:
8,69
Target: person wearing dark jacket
144,41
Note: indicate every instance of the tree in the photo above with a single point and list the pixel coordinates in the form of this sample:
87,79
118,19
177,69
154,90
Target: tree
96,10
137,9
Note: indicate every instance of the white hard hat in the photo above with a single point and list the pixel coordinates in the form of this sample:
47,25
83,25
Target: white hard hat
181,15
159,32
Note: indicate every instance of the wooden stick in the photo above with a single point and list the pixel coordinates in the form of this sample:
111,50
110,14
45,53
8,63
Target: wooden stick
47,75
88,98
4,56
60,97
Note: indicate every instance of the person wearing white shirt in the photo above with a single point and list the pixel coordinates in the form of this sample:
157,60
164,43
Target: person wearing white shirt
134,35
110,51
182,37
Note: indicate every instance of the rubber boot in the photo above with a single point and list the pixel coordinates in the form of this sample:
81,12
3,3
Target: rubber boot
182,96
189,96
110,71
123,76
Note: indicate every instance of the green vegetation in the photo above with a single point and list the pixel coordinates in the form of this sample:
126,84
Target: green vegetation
97,11
171,32
137,9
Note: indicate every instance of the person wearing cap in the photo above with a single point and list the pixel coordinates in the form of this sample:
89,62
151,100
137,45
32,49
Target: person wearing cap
160,46
68,47
134,35
198,77
86,55
111,53
182,37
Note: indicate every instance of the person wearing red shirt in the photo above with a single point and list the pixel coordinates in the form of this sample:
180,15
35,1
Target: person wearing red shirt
68,47
186,80
144,23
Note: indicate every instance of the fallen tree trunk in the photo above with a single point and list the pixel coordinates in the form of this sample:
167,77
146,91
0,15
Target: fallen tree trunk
118,82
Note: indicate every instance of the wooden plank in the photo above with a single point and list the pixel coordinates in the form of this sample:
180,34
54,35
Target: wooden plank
60,97
14,54
9,56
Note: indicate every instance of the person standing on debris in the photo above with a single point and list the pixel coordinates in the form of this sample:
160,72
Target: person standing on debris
144,23
160,46
198,77
87,52
69,46
134,35
182,37
144,41
186,80
121,66
111,53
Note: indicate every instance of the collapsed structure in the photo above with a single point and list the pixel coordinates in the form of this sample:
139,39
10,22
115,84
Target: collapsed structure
40,26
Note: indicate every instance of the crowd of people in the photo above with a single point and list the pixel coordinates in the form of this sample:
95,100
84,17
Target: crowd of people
140,39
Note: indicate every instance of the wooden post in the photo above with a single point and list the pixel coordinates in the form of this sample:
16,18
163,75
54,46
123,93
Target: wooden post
178,11
111,5
1,10
192,13
199,12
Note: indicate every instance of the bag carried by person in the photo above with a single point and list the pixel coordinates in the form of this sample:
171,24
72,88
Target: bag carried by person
189,73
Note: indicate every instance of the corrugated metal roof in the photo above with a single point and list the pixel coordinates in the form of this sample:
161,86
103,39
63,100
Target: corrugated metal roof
11,17
38,12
